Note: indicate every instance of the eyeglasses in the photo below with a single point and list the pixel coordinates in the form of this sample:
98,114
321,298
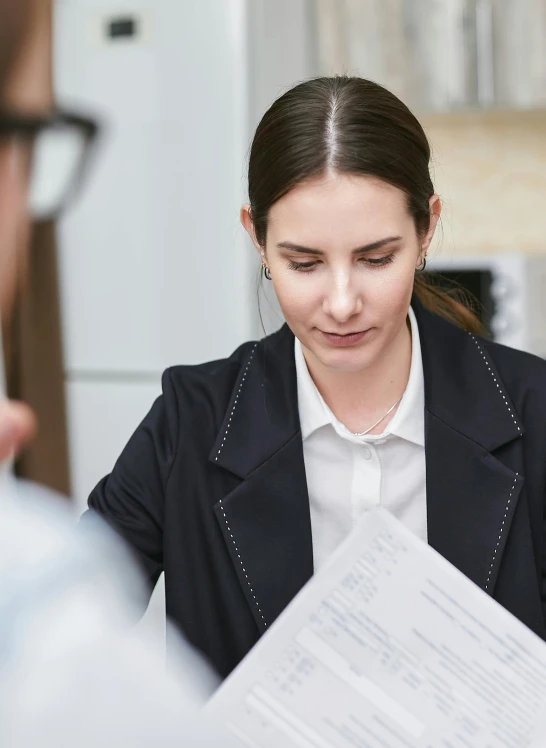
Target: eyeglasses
61,146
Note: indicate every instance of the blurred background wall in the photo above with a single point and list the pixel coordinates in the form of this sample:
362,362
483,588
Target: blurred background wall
490,169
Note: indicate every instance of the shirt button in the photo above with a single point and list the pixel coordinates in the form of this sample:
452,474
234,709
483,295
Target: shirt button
366,454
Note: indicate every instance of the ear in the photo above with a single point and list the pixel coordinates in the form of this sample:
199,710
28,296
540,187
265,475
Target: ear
248,226
435,209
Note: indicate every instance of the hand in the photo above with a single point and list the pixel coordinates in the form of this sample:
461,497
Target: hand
17,428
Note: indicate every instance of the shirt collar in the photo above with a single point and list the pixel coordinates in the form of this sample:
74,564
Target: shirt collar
408,422
314,413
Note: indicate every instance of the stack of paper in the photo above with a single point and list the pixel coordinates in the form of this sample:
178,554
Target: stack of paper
389,647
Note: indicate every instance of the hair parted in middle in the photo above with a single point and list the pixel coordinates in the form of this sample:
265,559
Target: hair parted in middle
348,125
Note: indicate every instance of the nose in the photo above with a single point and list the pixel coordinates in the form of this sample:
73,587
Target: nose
343,299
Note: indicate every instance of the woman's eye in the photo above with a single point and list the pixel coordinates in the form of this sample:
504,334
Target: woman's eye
302,266
378,261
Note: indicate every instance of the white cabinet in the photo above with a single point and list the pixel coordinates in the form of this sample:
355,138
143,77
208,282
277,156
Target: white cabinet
439,55
520,53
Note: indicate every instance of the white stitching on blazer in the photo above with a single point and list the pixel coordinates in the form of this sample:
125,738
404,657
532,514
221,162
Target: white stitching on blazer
500,534
495,380
488,580
236,399
220,502
241,562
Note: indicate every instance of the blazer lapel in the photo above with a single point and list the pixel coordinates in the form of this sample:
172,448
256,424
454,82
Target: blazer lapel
471,497
265,520
471,494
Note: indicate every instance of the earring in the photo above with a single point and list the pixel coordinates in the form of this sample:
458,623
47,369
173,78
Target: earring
267,272
420,268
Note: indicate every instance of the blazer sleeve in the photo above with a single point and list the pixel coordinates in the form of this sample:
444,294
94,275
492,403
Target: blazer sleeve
131,499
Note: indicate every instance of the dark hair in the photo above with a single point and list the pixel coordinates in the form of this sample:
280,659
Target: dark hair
347,125
13,14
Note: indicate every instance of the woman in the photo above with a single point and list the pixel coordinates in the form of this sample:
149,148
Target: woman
249,471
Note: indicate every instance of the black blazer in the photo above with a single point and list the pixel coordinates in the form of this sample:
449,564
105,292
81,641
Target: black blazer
211,488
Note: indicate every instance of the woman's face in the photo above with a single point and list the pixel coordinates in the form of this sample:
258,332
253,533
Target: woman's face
342,253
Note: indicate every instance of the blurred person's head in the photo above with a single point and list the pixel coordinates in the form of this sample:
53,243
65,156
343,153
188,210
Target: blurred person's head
36,142
16,420
43,150
342,210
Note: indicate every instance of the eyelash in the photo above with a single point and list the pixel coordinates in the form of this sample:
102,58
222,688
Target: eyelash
306,267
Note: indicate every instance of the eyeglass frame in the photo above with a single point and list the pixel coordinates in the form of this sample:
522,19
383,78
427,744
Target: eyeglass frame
17,124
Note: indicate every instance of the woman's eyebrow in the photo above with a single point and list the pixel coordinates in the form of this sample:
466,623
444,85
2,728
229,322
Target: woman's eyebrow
366,248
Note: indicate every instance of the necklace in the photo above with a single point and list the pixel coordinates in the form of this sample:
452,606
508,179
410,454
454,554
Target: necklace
363,433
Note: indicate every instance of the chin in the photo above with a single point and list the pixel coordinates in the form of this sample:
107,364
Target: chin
349,367
343,361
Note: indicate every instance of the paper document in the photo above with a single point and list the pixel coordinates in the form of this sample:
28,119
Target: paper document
389,647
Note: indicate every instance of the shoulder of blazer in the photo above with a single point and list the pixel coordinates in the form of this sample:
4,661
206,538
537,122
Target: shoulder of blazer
485,390
213,385
518,369
525,369
210,382
524,376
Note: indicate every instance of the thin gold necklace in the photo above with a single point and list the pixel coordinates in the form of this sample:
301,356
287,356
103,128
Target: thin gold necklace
363,433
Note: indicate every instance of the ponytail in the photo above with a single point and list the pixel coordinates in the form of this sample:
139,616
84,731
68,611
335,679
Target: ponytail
454,304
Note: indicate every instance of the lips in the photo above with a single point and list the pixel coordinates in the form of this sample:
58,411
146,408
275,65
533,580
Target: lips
350,338
344,334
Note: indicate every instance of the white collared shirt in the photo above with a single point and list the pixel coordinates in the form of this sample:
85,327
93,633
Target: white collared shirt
348,474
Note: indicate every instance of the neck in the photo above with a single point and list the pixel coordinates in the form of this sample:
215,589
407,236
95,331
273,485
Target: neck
359,398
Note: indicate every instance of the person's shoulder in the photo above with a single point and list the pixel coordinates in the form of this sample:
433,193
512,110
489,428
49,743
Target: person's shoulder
518,369
209,379
217,367
515,358
212,383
